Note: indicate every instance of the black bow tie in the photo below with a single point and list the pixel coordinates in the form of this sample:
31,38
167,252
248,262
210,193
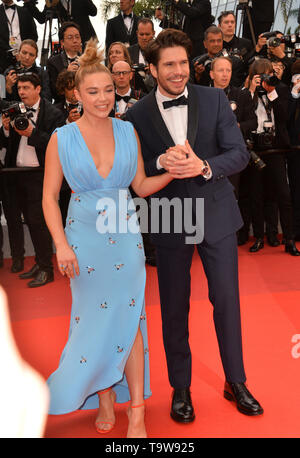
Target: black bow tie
13,7
126,98
31,109
175,102
127,15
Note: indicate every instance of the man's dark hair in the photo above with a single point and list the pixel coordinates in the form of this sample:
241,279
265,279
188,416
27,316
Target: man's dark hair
65,80
64,27
212,29
145,20
33,78
168,38
225,14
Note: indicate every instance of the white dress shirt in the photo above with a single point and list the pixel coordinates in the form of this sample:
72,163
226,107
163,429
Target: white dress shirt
175,118
261,113
176,121
26,156
13,27
121,105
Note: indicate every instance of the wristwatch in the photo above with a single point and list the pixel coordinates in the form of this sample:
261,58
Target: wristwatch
205,172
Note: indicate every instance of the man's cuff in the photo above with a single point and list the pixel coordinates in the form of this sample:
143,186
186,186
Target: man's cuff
158,165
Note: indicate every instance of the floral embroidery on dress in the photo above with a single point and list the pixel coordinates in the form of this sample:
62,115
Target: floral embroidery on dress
77,319
90,269
83,360
118,266
119,349
132,303
70,220
103,305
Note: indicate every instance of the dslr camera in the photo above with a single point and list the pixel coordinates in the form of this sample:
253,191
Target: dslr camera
292,42
71,106
266,139
17,113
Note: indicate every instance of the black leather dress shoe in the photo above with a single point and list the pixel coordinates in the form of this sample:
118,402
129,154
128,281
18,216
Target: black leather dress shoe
31,273
41,279
258,245
245,402
273,240
291,248
182,409
17,266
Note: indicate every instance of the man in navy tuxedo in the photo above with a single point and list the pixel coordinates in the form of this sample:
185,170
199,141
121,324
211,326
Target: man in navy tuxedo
191,132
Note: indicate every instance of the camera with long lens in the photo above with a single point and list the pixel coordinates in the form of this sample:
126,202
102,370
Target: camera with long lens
17,113
266,139
291,42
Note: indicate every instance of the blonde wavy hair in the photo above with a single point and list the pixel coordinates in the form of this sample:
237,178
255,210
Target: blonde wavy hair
90,62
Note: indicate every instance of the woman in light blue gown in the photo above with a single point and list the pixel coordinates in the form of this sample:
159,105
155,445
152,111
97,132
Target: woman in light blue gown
106,356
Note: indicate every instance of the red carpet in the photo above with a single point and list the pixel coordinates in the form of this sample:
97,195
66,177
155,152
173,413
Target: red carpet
270,301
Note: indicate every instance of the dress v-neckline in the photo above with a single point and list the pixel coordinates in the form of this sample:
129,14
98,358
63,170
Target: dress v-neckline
90,155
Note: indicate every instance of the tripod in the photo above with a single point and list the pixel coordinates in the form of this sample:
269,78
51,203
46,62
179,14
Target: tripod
51,14
244,8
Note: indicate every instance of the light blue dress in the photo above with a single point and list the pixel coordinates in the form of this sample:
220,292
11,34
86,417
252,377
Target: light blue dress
108,295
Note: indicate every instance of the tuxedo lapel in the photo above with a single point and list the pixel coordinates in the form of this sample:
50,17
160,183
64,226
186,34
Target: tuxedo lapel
193,114
158,121
3,24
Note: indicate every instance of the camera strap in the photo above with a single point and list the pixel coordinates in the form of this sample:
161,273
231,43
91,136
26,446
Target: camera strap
267,106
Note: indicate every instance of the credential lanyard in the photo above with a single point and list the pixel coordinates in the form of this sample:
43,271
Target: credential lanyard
10,22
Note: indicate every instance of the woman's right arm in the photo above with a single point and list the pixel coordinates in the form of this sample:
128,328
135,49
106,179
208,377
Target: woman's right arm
53,177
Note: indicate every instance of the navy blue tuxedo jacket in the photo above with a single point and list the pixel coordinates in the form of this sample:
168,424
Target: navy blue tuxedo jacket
214,135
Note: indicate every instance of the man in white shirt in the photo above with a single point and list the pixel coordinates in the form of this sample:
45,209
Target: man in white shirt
26,147
191,132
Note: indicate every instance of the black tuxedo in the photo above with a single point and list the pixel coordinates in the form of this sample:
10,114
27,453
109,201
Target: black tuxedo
270,184
117,31
80,12
262,15
56,64
23,190
213,134
197,18
27,30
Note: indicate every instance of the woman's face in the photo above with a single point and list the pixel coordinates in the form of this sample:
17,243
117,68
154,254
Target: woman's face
97,94
116,53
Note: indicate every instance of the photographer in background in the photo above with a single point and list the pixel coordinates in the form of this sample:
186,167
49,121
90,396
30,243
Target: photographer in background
72,110
271,101
26,144
142,79
126,96
293,158
16,25
26,58
262,16
213,42
232,43
196,18
243,107
271,46
77,11
70,40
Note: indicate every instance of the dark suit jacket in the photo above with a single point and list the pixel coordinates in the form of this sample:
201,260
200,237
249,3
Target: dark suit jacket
214,135
117,31
56,64
197,19
49,118
80,12
245,110
27,30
